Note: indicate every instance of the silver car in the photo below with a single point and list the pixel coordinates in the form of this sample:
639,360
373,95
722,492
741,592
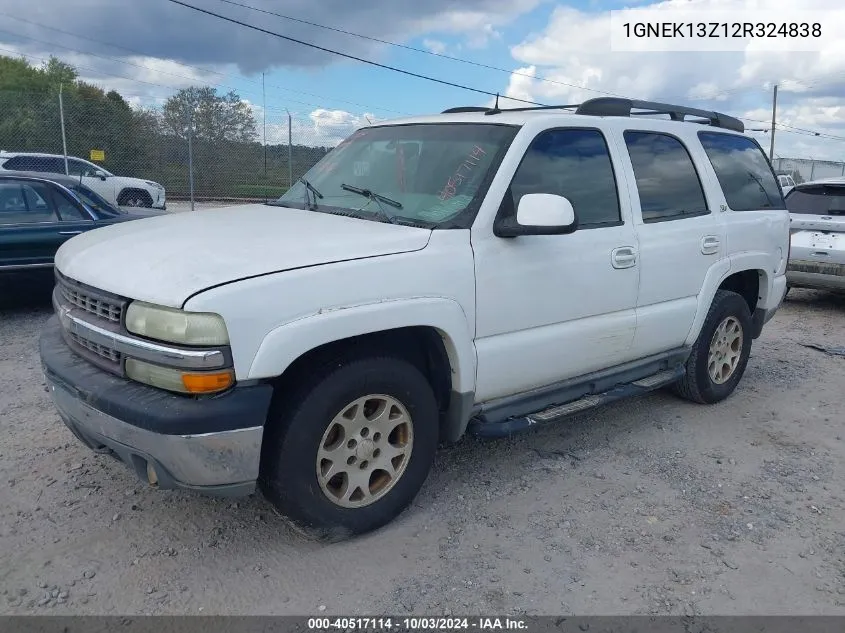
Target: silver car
817,246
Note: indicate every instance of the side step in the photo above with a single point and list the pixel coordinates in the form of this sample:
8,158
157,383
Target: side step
555,413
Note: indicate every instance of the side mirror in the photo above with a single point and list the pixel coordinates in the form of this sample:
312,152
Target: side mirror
100,174
539,214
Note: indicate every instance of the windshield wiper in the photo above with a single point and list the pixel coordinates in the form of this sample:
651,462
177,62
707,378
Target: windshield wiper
312,189
377,198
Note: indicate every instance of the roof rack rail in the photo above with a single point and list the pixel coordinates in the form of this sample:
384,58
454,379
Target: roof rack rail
616,106
466,109
619,106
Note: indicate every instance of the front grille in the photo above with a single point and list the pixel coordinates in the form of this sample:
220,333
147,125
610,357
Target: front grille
100,350
101,306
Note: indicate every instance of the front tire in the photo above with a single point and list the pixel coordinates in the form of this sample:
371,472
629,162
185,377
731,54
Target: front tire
348,449
720,354
134,198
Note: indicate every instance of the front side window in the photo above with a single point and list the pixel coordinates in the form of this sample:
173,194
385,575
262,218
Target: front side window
666,178
24,203
817,200
743,172
424,174
575,164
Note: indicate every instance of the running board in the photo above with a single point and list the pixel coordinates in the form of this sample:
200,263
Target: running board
482,428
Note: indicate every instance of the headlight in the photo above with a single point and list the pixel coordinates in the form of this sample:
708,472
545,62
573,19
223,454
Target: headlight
176,326
153,184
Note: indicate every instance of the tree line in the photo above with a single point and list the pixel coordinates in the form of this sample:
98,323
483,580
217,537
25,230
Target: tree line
150,143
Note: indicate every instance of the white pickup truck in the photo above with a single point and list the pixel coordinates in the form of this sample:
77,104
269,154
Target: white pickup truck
482,271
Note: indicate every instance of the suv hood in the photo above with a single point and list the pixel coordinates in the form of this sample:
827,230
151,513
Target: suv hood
165,260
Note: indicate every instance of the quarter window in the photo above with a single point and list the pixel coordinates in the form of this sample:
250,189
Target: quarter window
743,172
574,164
667,182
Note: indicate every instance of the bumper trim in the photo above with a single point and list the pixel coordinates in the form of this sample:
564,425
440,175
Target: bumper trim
222,463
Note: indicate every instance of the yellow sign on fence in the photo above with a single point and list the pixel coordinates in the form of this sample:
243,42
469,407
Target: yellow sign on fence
98,154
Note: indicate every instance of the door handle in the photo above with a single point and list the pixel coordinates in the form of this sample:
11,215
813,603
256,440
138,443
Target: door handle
710,244
623,257
69,232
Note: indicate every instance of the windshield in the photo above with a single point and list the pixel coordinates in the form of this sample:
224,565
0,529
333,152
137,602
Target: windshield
95,201
817,200
423,174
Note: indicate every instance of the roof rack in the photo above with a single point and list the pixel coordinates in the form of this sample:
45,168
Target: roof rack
617,106
465,109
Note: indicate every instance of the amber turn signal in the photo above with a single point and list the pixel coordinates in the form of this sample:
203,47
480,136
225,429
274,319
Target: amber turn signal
208,382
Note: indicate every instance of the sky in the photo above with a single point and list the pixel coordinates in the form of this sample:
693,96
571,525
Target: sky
537,50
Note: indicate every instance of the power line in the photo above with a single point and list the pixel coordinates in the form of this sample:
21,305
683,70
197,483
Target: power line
206,70
416,50
348,56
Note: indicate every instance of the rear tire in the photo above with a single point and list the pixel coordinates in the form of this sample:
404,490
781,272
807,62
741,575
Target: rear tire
720,354
348,448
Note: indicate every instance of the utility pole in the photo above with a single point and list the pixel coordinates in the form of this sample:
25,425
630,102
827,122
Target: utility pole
774,118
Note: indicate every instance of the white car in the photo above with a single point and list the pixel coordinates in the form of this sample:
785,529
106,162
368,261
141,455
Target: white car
476,271
817,252
786,183
118,190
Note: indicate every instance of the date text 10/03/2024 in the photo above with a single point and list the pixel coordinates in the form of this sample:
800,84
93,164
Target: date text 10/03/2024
417,624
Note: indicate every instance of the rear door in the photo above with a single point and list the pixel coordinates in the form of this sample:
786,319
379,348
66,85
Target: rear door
681,238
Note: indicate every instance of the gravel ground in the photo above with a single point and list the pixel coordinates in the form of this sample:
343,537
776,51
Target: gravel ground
651,506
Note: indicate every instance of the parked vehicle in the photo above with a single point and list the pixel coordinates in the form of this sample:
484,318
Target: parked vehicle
817,256
117,190
40,212
478,271
786,183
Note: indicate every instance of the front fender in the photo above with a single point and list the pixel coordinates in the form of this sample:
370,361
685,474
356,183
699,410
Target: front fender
284,344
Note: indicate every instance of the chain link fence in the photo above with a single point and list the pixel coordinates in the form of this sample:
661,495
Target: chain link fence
203,146
805,169
210,150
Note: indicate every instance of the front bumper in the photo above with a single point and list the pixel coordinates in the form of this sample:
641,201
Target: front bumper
211,444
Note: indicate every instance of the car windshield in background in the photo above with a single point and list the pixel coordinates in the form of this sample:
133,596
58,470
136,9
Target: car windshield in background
817,200
95,201
424,174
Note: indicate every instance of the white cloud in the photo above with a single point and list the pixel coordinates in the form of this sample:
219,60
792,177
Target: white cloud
435,46
574,48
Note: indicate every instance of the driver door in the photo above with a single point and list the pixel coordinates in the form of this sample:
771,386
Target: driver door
553,307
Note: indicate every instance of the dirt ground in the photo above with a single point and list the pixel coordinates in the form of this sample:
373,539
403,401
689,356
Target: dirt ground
652,506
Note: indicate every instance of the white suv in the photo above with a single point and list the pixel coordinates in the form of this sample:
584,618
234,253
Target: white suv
118,190
482,271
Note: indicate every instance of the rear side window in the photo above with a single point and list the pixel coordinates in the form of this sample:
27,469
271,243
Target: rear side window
667,182
743,172
35,163
817,200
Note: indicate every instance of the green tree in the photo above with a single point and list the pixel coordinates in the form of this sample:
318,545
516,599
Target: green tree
215,117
